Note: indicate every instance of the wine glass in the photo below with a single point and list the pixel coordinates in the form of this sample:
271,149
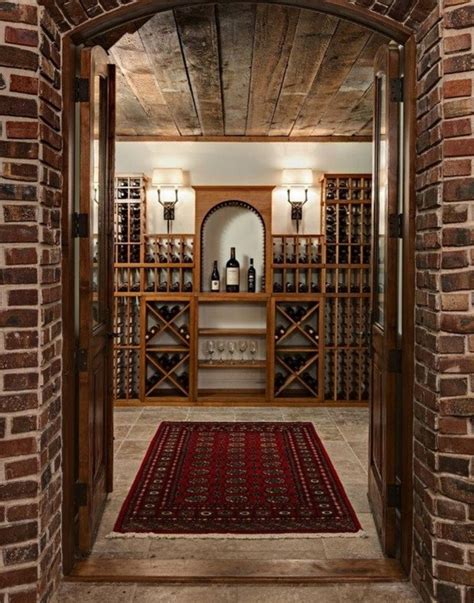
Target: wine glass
242,347
221,349
231,346
211,348
253,350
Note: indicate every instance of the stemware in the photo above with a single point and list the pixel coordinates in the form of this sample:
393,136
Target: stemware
242,347
211,348
221,349
231,347
253,350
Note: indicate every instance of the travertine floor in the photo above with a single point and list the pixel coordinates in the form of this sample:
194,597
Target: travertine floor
344,433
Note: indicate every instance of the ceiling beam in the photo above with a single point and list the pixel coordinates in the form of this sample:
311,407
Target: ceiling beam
236,25
197,29
132,59
275,30
346,45
161,41
312,38
266,139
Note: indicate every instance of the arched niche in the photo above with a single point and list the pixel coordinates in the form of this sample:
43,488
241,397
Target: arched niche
233,223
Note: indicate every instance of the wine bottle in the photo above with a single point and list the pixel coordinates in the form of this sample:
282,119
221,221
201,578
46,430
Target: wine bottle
251,278
279,332
232,273
215,278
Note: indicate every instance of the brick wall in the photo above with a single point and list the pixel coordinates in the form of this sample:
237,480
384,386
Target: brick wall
30,313
30,404
444,389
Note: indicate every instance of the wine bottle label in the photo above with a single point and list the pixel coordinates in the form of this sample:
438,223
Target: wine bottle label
232,276
214,285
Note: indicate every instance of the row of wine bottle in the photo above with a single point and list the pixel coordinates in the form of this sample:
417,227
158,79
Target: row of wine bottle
280,380
232,276
183,330
281,330
291,287
181,378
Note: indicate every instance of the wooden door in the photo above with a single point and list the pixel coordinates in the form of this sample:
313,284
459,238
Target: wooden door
95,89
383,443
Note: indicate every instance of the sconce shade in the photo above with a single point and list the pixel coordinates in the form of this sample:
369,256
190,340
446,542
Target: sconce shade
297,177
167,177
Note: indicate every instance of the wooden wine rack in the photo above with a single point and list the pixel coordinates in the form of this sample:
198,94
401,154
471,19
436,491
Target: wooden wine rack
316,291
347,222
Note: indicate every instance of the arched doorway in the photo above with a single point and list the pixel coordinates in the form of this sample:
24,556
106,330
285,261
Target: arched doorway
96,28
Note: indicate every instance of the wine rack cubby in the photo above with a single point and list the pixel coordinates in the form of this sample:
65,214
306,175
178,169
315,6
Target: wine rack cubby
168,337
297,349
297,263
176,342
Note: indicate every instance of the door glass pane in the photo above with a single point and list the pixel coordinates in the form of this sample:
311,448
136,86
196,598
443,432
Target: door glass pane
381,182
97,196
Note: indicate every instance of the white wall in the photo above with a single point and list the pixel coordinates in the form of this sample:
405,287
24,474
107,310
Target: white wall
241,163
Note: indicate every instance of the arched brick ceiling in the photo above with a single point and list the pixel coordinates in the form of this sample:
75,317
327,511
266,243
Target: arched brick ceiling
245,70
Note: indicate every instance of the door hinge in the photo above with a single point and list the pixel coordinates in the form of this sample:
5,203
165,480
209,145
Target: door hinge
80,225
394,361
396,89
81,90
81,360
394,495
80,494
395,226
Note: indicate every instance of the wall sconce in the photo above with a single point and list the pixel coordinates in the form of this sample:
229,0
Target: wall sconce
297,183
168,181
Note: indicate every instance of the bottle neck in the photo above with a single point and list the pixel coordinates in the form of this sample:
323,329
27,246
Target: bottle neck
232,253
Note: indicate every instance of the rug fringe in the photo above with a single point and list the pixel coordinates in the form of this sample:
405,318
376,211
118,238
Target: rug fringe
316,535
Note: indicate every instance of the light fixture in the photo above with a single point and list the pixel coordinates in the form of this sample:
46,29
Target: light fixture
168,181
297,183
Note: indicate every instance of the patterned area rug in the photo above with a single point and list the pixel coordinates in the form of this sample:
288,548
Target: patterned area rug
236,479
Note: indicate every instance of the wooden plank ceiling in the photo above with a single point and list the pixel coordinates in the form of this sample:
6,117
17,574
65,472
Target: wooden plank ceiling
245,70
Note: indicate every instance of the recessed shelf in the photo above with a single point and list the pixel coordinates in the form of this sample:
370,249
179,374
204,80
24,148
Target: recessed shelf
232,332
233,297
238,364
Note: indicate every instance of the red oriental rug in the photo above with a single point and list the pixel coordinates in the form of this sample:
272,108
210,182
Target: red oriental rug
236,478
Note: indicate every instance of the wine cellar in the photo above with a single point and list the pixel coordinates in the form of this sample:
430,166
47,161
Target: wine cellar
301,338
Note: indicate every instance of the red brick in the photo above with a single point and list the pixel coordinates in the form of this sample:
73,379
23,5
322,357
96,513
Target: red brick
17,447
457,43
457,127
23,84
18,13
22,512
458,167
456,88
18,58
22,130
21,468
21,36
13,578
456,445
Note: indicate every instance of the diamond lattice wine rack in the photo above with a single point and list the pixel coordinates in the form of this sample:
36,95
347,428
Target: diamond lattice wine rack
168,344
300,339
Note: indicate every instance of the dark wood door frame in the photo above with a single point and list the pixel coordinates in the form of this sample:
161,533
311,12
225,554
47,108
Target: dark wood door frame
69,387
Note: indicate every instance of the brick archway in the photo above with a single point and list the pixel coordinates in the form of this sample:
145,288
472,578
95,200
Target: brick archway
30,304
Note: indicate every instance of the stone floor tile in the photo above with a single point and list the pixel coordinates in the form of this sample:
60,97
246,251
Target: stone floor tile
217,593
133,449
126,418
142,432
397,592
72,592
352,548
256,593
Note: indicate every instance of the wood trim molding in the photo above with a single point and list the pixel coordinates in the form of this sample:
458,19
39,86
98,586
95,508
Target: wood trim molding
270,139
143,8
206,571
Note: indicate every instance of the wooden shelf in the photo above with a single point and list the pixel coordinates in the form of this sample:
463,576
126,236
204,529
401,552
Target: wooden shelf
232,332
237,364
167,348
206,297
